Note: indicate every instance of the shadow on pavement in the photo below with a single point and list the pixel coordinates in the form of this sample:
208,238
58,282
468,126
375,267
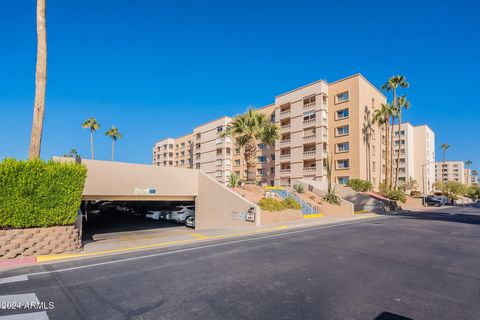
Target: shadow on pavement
390,316
467,218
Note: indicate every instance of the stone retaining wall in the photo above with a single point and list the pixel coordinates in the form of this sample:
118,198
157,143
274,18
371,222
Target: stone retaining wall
37,241
280,216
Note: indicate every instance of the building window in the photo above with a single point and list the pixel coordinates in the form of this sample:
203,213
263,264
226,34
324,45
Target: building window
309,116
237,162
262,159
218,141
343,180
309,100
197,166
260,171
182,162
343,164
342,97
343,130
343,147
342,114
219,129
261,146
237,151
272,170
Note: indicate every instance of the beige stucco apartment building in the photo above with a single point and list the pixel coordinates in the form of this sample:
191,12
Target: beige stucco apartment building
452,171
416,145
315,121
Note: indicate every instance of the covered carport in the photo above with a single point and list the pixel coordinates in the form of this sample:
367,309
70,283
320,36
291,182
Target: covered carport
137,188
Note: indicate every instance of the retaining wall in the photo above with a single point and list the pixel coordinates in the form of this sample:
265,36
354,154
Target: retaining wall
38,241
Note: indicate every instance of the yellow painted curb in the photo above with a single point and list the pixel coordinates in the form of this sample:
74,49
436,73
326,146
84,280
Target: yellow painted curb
361,211
313,216
198,237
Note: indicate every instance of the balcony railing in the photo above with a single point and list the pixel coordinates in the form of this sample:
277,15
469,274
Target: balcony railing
310,169
309,152
309,121
286,155
284,170
309,105
285,141
285,126
308,137
284,113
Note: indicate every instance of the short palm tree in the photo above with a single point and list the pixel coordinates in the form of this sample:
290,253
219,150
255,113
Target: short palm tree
248,129
114,134
381,117
402,103
92,124
444,147
40,83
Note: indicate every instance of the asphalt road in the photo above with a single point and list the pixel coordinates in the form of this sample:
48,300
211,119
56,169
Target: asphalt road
417,266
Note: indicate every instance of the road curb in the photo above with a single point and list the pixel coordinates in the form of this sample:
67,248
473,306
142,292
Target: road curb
18,262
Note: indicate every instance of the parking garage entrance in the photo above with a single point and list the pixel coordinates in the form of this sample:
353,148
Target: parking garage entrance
134,220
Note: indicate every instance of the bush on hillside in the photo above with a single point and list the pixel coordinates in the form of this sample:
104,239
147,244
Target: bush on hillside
360,185
290,203
299,188
36,193
272,204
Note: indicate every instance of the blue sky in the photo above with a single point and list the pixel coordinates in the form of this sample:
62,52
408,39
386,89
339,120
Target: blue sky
157,69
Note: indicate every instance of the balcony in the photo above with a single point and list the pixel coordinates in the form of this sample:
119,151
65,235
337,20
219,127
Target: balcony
309,121
310,153
286,126
284,171
310,169
286,141
285,156
309,137
309,105
285,113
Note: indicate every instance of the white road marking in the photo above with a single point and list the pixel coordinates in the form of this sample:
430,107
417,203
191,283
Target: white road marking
19,299
13,279
27,316
205,246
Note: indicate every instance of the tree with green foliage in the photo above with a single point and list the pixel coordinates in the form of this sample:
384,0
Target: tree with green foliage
248,129
381,117
393,84
92,124
360,185
114,134
331,196
233,180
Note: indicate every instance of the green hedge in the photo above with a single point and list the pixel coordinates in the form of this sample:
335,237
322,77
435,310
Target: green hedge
39,194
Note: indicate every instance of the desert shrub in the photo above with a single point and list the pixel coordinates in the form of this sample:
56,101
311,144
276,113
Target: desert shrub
36,193
233,180
332,198
299,188
271,204
397,195
290,203
360,185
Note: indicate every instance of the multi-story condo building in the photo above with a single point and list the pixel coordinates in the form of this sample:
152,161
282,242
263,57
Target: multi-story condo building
416,146
302,115
473,180
451,171
316,121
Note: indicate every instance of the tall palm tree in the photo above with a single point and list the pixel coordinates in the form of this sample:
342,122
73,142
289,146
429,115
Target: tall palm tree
393,84
248,129
40,83
114,134
402,103
92,124
444,147
381,117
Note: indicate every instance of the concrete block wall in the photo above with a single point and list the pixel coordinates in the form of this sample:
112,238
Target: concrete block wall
39,241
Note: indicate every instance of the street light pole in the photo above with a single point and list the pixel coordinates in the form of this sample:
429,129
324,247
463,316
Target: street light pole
423,181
